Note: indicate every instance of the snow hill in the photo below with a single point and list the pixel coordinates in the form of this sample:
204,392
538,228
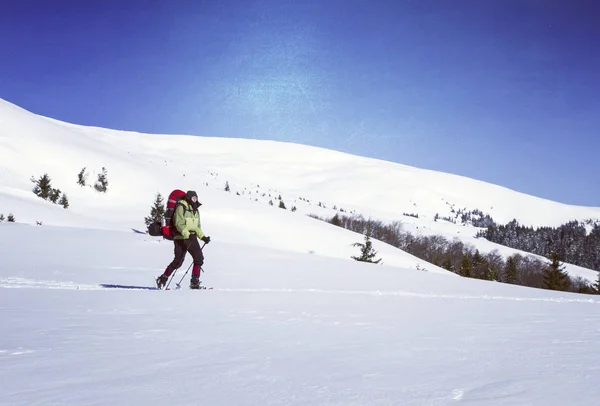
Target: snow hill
292,320
314,180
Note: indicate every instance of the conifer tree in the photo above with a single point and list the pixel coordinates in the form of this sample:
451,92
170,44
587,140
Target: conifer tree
597,285
10,218
157,211
367,253
555,278
102,182
64,202
227,189
82,177
510,271
54,195
466,266
1,217
43,187
281,204
447,264
335,220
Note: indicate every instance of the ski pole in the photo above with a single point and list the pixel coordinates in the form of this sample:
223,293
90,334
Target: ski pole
178,285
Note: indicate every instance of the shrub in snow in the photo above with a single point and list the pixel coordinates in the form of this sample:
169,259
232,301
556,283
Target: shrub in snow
82,177
101,184
64,202
10,218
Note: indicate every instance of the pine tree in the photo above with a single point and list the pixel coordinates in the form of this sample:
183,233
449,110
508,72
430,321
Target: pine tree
490,274
294,208
82,177
555,278
43,188
227,189
336,221
466,266
54,195
366,250
102,182
480,266
10,218
447,264
281,204
597,285
510,271
64,202
1,217
157,211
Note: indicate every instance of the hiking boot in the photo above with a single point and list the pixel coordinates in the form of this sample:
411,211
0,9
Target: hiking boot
195,283
161,281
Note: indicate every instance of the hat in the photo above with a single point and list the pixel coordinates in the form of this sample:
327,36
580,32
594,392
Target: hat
190,194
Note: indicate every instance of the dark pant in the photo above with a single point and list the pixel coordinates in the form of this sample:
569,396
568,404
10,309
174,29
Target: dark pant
181,248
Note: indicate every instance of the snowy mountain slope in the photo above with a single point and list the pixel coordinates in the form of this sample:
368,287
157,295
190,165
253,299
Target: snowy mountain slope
379,188
280,328
139,165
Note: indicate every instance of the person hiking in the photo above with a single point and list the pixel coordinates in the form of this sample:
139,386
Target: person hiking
186,220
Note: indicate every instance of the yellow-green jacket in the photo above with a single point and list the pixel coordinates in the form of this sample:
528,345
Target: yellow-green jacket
187,221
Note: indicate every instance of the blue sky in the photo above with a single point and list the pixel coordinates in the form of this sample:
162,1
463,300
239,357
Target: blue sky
505,91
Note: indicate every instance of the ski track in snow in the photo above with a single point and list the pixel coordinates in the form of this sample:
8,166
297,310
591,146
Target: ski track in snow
25,283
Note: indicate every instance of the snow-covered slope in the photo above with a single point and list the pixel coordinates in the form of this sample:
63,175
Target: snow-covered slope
279,328
141,164
314,180
292,320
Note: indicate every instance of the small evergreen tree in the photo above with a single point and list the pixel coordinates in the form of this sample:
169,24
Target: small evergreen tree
54,195
336,221
281,204
447,264
102,182
1,217
10,218
597,285
227,189
510,271
157,211
43,187
466,266
64,202
82,177
555,278
270,202
367,253
294,208
490,274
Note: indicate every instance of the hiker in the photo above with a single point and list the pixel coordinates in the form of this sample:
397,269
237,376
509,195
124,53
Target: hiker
186,233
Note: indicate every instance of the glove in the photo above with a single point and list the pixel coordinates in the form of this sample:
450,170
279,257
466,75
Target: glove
185,234
206,239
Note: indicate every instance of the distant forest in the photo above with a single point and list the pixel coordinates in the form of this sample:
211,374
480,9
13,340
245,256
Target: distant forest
568,243
571,241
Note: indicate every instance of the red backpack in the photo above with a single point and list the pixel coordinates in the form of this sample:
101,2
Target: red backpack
166,228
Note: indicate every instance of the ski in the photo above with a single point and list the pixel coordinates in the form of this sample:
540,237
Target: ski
129,287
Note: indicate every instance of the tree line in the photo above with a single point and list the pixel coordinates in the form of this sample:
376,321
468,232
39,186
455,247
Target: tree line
465,260
576,242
